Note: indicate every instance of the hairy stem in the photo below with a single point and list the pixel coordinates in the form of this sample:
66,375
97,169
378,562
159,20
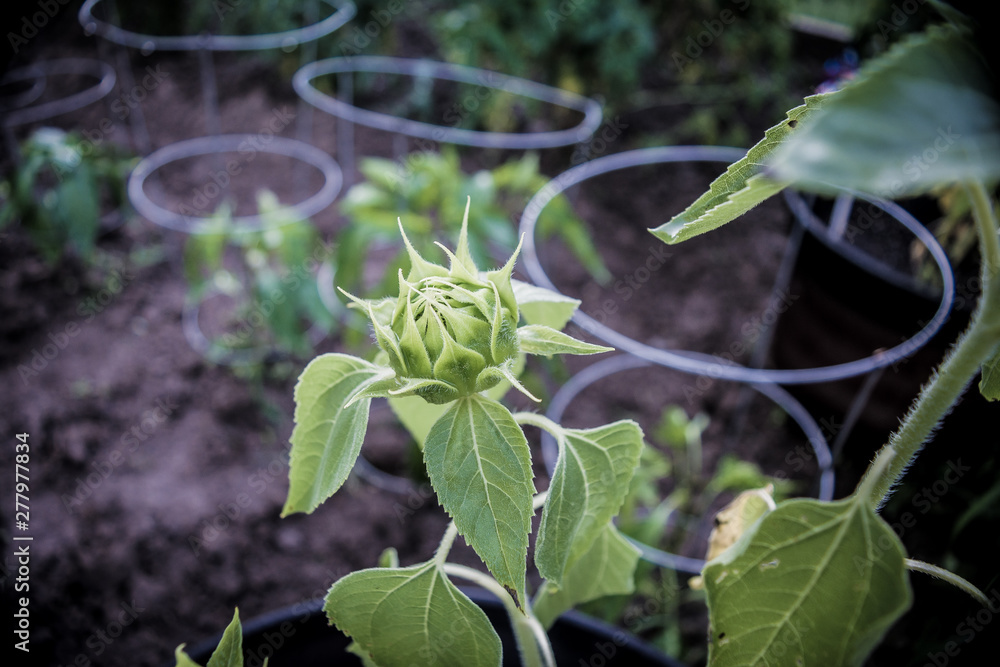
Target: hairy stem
950,577
961,364
532,642
441,555
986,224
537,420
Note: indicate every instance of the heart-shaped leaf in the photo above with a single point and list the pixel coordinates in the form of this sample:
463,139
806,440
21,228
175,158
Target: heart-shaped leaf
478,462
812,583
412,617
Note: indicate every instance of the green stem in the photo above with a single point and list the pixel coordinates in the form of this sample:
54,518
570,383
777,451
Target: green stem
986,224
532,642
539,421
441,555
950,577
960,365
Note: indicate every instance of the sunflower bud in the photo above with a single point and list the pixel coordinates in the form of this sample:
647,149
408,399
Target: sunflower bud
451,332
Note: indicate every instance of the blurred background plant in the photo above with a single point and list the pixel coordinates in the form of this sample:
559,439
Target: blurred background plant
427,192
673,521
63,191
269,281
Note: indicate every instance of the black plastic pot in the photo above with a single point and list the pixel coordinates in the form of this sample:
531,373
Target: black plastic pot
300,636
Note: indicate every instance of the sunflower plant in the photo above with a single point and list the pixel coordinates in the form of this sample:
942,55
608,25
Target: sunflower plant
451,344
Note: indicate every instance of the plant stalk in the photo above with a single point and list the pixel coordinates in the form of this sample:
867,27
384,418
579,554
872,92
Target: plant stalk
960,366
441,555
986,225
532,642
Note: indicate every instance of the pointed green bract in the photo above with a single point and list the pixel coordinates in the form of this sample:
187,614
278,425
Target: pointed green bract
606,568
447,325
811,584
412,617
478,462
989,383
540,339
589,484
918,117
742,186
328,433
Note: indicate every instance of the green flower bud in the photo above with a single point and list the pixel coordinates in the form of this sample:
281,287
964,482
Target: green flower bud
451,332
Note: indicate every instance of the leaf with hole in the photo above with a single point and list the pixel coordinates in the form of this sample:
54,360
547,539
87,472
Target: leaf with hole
742,186
812,583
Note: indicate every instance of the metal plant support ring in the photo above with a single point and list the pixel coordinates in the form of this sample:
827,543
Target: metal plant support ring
222,355
277,40
711,365
101,71
298,150
591,110
624,362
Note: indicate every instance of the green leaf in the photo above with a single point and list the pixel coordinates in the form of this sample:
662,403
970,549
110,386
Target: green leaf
412,616
591,478
919,116
606,568
540,339
229,652
327,436
478,462
183,659
989,383
741,187
812,583
543,306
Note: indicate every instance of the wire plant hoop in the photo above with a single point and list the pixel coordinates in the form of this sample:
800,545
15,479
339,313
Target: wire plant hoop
624,362
711,365
591,110
332,180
